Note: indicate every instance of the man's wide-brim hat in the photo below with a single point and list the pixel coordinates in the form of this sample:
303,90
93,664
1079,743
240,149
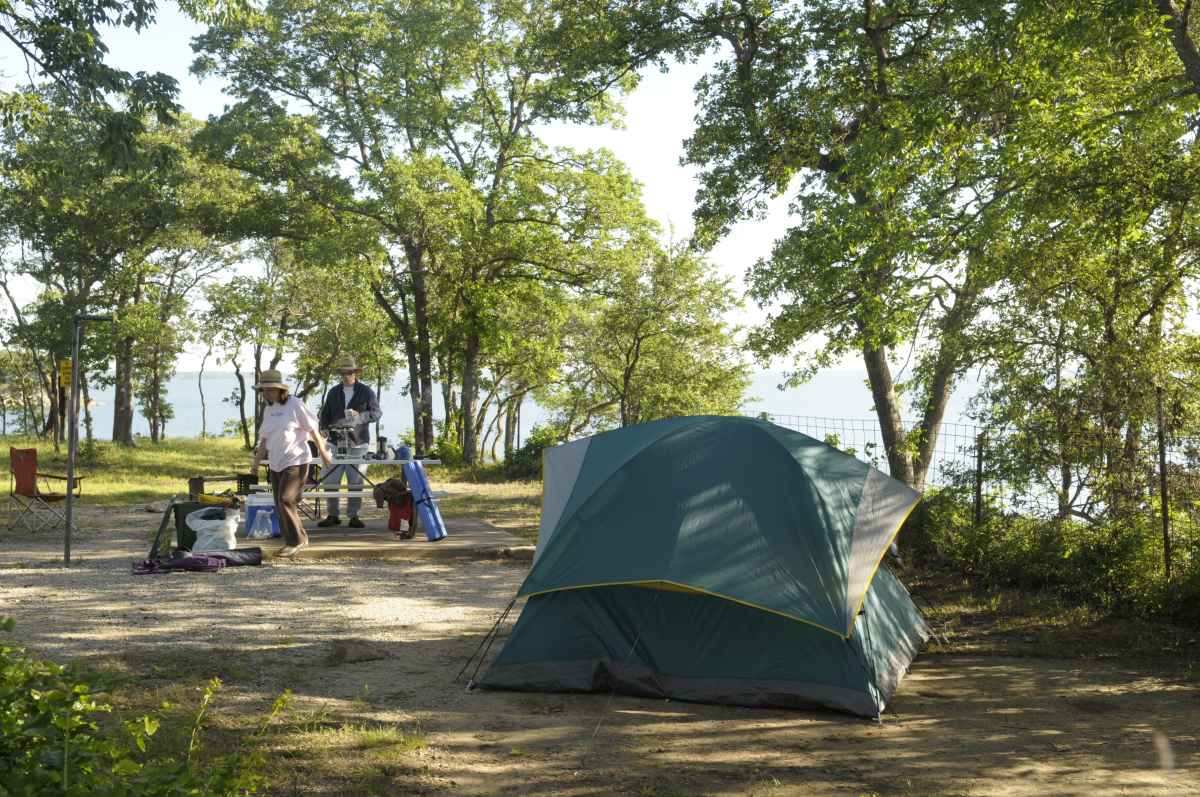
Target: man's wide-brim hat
270,378
347,365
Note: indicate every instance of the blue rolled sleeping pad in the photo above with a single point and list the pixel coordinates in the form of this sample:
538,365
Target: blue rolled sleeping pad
423,503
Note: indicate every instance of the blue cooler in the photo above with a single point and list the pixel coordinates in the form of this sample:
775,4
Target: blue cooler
256,503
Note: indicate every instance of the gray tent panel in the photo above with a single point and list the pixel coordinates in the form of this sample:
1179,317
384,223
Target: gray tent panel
560,470
884,505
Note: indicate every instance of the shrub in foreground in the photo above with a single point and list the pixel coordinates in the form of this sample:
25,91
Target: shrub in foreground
51,740
526,462
1116,566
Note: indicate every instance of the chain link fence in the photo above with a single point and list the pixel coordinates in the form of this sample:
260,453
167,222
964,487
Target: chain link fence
966,456
956,450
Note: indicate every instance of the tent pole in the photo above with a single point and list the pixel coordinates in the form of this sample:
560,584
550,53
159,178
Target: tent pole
488,639
871,662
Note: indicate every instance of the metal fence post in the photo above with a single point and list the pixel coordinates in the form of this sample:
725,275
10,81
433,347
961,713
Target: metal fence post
1162,487
980,442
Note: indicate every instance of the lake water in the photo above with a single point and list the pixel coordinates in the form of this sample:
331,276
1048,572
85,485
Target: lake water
840,394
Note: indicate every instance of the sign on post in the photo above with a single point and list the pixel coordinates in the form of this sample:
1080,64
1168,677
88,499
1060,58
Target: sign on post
64,373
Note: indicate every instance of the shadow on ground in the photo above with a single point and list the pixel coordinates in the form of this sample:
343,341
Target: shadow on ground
376,645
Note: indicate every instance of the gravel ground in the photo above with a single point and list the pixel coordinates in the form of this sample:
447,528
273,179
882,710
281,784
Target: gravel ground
380,641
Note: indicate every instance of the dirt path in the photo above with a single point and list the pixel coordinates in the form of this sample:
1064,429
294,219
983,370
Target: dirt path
959,724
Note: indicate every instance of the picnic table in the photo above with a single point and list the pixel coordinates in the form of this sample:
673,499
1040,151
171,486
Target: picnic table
315,491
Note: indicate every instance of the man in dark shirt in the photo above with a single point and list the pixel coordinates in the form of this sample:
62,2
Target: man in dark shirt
356,402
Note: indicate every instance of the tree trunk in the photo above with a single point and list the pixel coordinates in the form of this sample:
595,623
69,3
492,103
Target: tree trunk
414,396
423,423
947,364
510,424
200,388
470,389
1176,20
122,431
452,430
43,421
155,402
416,393
86,400
415,335
26,409
57,405
481,418
417,270
241,404
497,425
887,409
259,404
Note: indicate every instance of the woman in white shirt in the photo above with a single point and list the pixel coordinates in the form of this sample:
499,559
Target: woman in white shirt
287,426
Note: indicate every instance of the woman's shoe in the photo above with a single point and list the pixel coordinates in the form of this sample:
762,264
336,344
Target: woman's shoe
289,551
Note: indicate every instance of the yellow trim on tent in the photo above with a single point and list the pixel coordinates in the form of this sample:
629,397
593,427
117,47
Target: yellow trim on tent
891,538
674,586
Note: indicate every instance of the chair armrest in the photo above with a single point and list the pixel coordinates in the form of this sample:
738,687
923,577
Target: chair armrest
55,476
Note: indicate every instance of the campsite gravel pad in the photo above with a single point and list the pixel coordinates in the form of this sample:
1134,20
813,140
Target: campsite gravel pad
379,641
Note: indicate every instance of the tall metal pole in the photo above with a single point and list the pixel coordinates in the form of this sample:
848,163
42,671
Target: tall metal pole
1162,487
73,430
72,439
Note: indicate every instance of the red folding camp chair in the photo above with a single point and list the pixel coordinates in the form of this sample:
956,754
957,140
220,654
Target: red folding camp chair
35,506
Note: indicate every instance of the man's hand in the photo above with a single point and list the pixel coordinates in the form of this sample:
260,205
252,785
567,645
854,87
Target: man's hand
351,413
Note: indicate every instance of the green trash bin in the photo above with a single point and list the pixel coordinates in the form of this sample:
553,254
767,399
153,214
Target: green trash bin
185,538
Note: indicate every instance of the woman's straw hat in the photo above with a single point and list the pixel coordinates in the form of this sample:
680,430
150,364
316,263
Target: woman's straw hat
271,378
346,365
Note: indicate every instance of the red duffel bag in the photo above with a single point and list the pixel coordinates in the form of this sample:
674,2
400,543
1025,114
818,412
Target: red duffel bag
401,510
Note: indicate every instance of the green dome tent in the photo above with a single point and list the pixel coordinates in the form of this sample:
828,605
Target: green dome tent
714,559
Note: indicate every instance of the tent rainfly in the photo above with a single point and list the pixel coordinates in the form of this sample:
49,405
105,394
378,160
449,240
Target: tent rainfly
718,560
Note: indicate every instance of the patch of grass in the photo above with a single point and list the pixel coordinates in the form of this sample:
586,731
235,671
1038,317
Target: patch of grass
314,747
146,472
513,506
361,736
352,758
149,471
764,786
